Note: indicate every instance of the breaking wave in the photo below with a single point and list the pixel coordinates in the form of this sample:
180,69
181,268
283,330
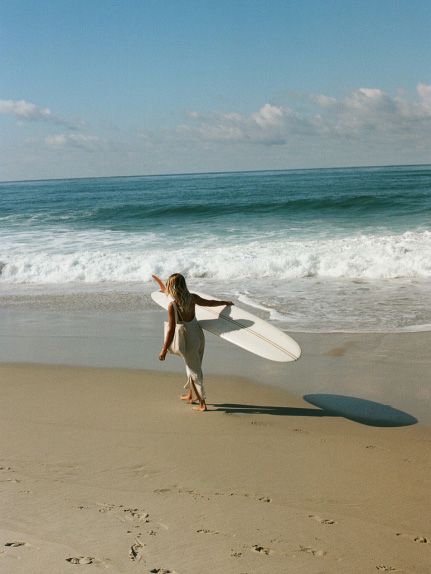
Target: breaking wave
404,256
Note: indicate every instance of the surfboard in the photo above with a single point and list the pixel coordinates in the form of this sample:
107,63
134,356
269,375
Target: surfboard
242,329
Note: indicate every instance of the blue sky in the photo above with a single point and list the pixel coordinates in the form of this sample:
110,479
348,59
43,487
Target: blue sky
103,87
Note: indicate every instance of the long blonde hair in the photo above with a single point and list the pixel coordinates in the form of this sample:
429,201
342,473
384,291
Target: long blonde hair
176,287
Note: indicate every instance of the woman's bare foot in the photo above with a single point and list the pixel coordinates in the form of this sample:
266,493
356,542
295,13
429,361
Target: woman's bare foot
200,408
188,398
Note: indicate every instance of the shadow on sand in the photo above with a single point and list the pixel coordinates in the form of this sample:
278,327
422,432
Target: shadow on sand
352,408
240,409
361,410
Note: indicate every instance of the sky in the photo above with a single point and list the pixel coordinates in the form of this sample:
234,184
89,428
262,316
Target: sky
134,87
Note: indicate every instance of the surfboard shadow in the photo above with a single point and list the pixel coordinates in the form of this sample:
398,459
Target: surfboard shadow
362,411
355,409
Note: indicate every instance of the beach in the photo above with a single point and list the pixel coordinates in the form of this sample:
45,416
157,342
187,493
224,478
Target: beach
104,468
320,466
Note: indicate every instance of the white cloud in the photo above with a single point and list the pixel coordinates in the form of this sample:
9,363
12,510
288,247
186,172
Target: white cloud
372,107
24,110
364,112
27,111
267,125
269,116
324,101
424,92
85,141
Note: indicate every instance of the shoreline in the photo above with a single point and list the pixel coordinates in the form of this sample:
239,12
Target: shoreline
108,467
387,369
309,317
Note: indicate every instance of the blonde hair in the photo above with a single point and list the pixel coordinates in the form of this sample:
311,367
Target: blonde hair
176,287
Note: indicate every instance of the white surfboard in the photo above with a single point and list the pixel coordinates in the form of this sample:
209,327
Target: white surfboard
242,329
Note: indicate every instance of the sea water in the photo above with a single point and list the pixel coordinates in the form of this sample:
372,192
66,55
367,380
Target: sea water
310,250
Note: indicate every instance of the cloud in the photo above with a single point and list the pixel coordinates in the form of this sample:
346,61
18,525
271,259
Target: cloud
83,141
424,93
268,116
373,110
361,113
270,125
24,110
27,111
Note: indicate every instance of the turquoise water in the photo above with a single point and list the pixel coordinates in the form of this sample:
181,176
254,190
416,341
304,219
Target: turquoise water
330,249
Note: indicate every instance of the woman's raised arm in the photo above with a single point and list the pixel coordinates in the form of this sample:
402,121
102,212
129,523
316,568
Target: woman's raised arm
159,283
209,302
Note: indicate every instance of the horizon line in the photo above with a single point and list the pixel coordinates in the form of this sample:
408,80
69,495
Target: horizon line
182,174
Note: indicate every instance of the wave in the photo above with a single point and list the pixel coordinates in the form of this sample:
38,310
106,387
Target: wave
404,256
134,215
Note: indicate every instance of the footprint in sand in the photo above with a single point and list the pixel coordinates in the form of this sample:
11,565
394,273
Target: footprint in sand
261,549
15,544
265,499
312,551
421,540
81,560
132,514
417,539
384,568
206,531
161,571
193,493
135,552
322,520
136,514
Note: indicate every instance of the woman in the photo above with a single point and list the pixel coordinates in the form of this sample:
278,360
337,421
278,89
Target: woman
183,307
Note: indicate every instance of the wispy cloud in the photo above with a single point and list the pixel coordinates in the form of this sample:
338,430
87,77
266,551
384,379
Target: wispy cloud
27,111
24,110
268,125
84,141
362,112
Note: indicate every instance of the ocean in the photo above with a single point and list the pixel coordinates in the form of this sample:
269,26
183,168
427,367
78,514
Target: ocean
319,250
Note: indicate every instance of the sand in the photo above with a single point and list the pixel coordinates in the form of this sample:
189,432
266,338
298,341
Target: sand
105,469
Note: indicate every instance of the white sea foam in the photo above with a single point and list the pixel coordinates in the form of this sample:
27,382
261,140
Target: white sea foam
272,313
68,257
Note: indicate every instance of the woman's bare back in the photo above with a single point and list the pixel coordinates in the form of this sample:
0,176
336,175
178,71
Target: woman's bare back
189,314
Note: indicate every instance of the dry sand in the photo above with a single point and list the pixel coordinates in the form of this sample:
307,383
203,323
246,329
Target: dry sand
107,470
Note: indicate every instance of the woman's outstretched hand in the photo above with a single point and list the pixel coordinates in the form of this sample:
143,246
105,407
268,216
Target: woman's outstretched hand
162,355
161,285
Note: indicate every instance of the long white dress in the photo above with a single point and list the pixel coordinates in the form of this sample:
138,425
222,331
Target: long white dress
194,353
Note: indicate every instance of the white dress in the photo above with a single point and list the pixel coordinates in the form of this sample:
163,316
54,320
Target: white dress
194,353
